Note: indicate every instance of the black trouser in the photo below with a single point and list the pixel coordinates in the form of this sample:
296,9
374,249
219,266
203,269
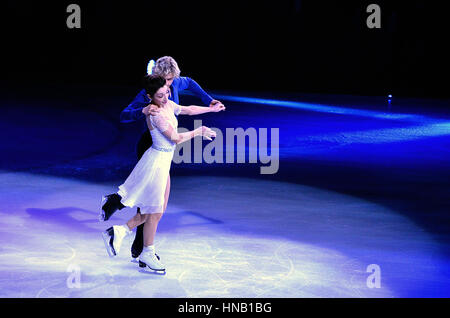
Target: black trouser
142,146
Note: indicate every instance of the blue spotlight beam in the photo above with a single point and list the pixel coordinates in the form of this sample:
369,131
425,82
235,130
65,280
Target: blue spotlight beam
422,126
321,108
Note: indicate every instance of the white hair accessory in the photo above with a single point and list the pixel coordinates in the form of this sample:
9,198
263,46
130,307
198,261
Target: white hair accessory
150,66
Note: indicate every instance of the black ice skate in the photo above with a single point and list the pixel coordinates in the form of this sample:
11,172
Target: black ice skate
110,204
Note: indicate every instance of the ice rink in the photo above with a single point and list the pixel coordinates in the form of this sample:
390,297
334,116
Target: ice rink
359,194
224,246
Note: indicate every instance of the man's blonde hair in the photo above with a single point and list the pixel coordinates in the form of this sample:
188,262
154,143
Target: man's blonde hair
165,66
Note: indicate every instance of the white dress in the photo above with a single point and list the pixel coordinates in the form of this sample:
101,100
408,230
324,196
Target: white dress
146,185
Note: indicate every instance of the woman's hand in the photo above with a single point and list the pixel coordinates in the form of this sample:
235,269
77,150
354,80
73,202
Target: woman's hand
150,109
216,106
207,132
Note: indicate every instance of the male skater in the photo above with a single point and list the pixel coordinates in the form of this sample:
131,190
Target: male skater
168,68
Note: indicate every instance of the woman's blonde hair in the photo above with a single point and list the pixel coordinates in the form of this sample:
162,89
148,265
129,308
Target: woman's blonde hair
166,65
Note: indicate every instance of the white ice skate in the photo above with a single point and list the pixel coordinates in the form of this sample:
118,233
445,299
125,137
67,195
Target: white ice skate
113,238
150,259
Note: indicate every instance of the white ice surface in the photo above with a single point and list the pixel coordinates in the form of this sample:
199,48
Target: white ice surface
221,237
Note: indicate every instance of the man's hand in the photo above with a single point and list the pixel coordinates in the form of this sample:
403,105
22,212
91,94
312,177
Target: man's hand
214,101
150,109
216,106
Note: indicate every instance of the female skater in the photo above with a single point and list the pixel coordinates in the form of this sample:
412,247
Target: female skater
168,68
148,185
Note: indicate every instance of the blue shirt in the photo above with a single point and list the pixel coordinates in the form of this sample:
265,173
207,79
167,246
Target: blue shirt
133,112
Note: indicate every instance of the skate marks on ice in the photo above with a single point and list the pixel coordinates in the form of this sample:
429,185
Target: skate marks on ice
50,233
259,267
51,272
236,242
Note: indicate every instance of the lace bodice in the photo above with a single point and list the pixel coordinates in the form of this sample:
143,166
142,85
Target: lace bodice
160,123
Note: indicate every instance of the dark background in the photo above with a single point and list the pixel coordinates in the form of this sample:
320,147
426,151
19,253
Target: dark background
283,46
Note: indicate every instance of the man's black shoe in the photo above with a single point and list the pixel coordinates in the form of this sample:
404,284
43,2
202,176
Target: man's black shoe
110,204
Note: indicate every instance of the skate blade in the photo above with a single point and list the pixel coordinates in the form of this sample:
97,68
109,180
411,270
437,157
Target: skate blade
106,238
155,271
